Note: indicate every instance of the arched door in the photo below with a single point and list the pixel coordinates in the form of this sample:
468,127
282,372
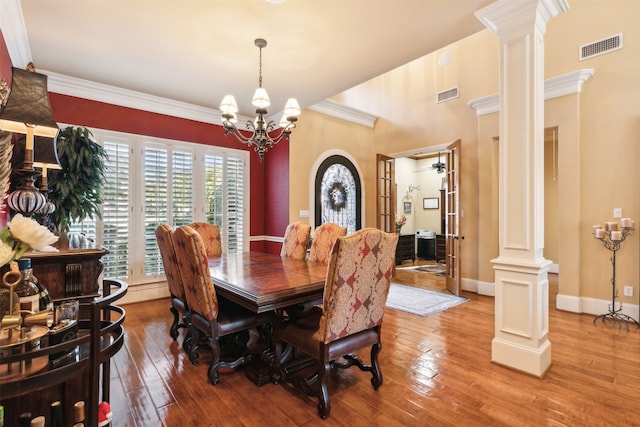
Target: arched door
338,194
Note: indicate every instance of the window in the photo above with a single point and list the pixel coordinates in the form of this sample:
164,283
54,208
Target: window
150,181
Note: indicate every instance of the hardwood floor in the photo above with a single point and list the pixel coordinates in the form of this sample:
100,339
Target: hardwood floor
437,372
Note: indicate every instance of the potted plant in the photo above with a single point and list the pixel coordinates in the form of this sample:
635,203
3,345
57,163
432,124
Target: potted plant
76,189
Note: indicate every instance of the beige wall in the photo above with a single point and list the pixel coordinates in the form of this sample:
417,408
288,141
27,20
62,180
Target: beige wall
316,135
598,134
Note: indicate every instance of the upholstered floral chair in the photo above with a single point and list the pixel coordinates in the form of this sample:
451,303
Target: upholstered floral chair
210,234
211,319
323,239
174,280
358,278
296,241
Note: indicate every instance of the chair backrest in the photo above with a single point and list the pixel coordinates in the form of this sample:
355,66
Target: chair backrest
357,284
296,240
210,234
194,266
169,261
323,239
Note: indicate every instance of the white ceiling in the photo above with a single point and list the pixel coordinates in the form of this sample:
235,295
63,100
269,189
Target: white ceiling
198,51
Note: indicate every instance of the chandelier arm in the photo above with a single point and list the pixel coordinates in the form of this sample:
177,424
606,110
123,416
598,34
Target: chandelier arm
241,135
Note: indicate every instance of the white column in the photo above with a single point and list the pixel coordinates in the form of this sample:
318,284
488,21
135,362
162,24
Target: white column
522,288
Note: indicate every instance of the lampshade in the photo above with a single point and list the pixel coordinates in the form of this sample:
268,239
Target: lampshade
229,105
28,105
44,152
261,98
292,108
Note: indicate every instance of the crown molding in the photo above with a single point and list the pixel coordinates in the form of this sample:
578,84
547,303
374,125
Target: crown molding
344,112
554,87
15,33
86,89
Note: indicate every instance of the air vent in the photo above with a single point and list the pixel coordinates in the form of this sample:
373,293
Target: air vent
446,95
600,47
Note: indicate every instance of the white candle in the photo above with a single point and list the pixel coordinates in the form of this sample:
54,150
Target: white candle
625,222
600,233
616,235
595,228
611,226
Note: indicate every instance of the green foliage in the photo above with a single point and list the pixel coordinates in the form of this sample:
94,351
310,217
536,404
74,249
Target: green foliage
76,189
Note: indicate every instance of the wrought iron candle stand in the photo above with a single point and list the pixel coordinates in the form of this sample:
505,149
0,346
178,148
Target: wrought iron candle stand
611,239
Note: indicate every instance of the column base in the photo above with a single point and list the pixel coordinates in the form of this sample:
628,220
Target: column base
531,361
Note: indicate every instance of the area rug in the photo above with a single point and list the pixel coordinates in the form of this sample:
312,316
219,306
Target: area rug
418,301
436,269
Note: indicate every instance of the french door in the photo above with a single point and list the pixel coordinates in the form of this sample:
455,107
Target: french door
452,218
386,193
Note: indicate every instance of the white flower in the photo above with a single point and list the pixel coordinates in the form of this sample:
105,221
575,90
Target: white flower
6,253
33,234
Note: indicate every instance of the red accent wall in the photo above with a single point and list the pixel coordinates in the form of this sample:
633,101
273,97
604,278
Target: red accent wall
277,194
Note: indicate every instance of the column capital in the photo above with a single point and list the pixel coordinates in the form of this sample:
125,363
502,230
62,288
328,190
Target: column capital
511,19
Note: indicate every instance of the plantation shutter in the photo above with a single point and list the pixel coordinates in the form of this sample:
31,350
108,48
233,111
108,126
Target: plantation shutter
214,189
182,189
156,169
225,200
115,211
161,182
235,204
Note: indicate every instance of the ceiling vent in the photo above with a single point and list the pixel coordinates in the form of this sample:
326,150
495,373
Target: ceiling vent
600,47
446,95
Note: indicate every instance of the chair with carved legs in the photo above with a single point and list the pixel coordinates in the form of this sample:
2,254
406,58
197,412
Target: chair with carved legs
174,280
210,234
324,238
210,320
355,293
296,240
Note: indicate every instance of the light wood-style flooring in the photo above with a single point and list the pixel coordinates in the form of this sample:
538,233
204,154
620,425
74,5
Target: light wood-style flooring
437,372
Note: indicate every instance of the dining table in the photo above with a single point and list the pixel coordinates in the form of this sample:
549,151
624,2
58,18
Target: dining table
262,282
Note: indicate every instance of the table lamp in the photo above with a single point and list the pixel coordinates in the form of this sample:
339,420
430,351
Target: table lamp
28,111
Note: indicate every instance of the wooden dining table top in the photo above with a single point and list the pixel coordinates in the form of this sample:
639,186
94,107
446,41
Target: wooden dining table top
261,282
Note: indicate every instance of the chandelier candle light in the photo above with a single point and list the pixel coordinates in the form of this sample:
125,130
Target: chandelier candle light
258,132
612,236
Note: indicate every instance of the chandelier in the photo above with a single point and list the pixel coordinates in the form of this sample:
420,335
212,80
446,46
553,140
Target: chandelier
259,133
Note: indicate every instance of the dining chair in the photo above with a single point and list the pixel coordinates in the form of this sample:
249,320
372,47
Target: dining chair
174,280
210,234
211,318
323,239
296,240
356,288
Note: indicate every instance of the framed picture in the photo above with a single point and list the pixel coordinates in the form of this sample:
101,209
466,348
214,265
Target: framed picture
430,203
407,207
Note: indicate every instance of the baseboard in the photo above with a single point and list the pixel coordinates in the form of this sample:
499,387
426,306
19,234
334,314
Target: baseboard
568,303
593,306
147,292
478,287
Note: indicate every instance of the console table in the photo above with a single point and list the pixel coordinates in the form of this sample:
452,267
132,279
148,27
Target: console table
406,248
72,271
